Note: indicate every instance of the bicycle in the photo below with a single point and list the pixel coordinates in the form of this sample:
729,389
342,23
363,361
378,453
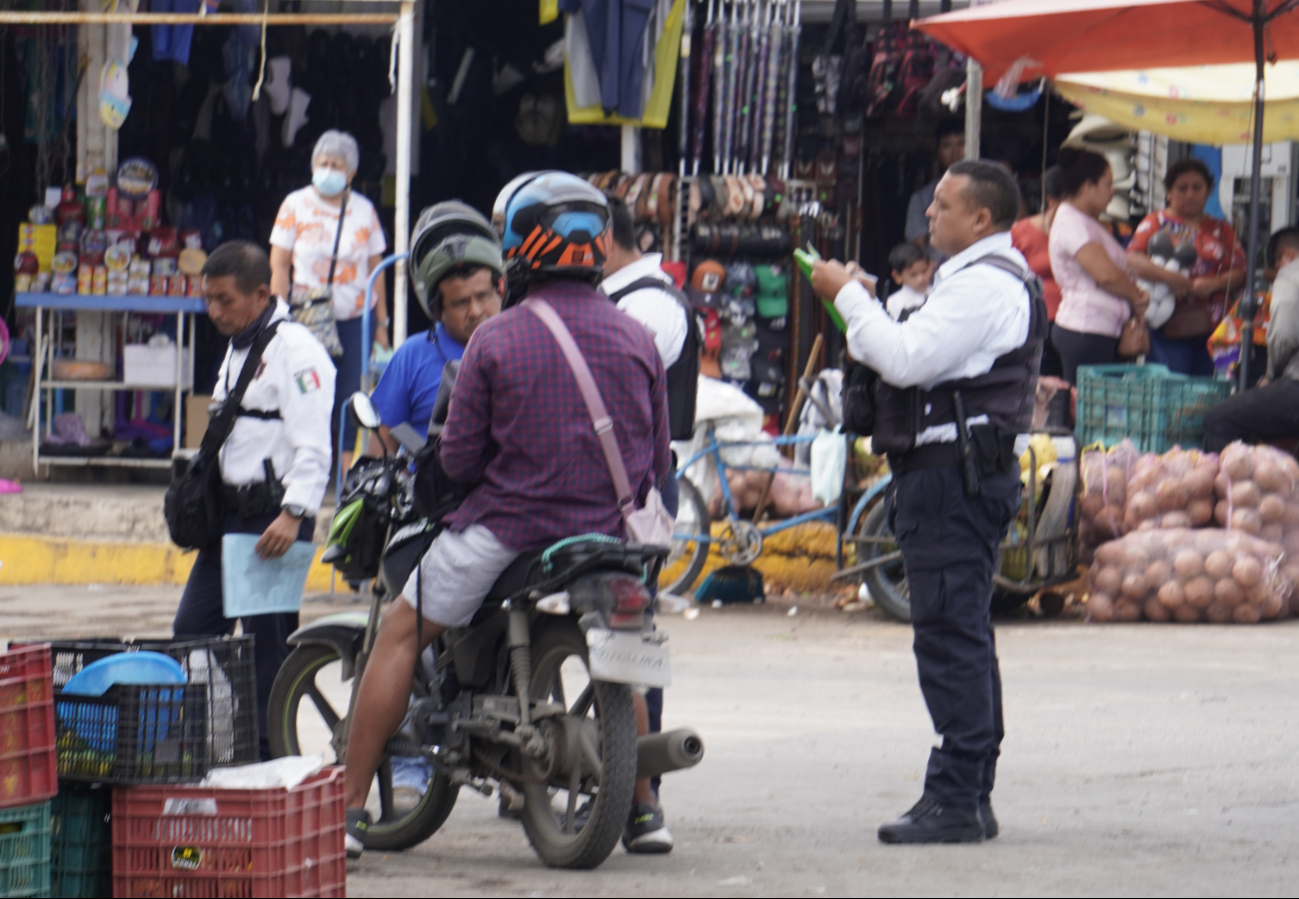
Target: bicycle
740,542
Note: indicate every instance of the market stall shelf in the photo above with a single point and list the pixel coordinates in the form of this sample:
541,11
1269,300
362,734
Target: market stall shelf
49,307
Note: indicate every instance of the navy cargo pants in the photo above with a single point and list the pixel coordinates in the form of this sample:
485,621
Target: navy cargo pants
949,546
200,613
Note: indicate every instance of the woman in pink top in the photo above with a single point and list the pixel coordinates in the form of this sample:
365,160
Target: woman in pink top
1097,290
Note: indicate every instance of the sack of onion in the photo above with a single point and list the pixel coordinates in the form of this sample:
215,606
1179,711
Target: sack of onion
1174,490
1104,495
1256,492
1186,575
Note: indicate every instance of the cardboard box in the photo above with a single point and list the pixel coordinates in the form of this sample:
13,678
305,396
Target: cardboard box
153,365
196,419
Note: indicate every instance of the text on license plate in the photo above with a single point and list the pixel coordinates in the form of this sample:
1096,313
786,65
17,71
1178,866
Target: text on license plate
625,658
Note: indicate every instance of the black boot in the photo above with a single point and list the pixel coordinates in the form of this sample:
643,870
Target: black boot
989,820
930,822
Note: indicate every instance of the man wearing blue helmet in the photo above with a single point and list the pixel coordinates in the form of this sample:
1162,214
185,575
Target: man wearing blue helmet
518,428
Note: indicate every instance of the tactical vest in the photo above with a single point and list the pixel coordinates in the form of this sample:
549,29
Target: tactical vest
1005,393
682,375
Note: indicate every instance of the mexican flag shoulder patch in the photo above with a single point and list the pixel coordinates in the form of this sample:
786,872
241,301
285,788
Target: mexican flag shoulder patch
307,380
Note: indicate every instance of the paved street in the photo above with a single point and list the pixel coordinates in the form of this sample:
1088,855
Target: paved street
1141,759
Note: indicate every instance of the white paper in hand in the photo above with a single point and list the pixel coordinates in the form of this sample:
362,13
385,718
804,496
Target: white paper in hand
251,585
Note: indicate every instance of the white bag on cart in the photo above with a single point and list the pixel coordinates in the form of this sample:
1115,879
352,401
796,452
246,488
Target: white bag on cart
829,465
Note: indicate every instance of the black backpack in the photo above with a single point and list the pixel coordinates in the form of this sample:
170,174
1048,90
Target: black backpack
683,375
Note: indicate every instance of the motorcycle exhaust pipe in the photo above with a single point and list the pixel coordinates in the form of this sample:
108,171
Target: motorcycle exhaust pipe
657,754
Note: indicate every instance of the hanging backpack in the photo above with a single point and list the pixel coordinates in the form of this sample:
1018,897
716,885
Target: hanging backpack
916,73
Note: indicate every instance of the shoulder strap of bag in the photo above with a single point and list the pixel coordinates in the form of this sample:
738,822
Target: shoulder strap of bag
591,394
220,427
338,237
649,282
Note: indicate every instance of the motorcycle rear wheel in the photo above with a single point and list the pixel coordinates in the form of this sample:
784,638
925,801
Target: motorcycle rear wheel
300,678
560,674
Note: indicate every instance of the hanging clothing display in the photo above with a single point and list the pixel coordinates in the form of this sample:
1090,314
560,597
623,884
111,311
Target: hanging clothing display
586,79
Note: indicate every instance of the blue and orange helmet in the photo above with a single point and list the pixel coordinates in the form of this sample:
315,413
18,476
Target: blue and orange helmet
555,223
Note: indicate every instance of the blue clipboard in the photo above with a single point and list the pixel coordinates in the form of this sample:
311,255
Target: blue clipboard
251,585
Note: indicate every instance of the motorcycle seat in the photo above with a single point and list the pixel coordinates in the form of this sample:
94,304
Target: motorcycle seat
513,579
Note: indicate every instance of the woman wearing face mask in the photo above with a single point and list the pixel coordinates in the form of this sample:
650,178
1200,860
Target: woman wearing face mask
302,246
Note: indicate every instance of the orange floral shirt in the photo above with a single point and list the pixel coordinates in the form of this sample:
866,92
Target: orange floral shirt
306,226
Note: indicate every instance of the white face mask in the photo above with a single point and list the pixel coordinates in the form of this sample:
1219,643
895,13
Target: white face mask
329,182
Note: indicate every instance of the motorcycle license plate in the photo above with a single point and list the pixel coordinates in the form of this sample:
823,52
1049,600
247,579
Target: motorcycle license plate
625,658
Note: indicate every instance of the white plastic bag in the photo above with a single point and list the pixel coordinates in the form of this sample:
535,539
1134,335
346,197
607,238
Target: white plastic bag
829,463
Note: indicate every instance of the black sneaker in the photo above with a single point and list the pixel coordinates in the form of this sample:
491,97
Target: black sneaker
988,819
357,823
645,833
930,822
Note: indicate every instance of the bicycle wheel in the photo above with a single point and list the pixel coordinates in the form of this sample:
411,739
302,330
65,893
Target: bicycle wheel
313,672
887,583
688,556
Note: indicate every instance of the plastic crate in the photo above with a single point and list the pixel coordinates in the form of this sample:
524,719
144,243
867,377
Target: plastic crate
1179,413
1118,401
25,850
81,841
158,734
194,841
28,772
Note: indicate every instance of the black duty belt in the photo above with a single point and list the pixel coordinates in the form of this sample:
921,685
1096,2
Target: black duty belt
932,455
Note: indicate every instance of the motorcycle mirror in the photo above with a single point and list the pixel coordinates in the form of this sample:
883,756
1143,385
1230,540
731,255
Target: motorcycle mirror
365,412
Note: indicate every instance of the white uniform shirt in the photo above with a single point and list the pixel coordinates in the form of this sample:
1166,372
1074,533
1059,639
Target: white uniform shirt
656,310
974,314
902,299
296,378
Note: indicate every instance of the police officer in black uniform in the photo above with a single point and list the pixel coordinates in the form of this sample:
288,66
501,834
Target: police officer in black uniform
954,390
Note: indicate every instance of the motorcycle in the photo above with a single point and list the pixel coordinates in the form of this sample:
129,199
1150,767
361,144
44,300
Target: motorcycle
532,701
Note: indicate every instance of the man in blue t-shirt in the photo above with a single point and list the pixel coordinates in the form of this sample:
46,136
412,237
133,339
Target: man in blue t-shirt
466,297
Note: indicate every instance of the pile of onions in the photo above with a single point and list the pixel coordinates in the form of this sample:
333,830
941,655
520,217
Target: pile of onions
1174,490
1104,496
1188,575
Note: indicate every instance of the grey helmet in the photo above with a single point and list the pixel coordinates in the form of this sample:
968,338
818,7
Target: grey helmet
449,235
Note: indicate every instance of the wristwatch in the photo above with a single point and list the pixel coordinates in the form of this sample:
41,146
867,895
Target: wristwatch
298,512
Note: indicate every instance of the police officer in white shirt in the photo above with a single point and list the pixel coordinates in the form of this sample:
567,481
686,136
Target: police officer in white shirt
956,388
275,463
636,282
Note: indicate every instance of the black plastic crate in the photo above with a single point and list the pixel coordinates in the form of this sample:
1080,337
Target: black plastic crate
155,734
81,841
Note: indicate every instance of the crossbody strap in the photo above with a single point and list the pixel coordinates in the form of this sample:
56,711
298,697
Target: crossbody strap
221,426
591,394
338,237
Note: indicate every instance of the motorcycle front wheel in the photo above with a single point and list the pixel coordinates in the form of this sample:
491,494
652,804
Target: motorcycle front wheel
314,672
576,819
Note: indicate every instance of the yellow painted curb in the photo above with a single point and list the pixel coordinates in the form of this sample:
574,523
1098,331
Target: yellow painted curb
25,559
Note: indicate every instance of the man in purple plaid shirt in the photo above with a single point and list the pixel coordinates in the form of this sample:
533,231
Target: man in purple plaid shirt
519,429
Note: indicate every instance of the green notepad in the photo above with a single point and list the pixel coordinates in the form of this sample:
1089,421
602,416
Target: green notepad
805,258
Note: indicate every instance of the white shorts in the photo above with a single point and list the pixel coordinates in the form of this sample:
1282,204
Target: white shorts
458,571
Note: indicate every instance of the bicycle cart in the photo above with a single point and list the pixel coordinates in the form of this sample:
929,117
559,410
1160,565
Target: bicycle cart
1040,551
740,540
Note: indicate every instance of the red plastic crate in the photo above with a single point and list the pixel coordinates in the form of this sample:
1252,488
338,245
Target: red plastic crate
28,767
176,841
